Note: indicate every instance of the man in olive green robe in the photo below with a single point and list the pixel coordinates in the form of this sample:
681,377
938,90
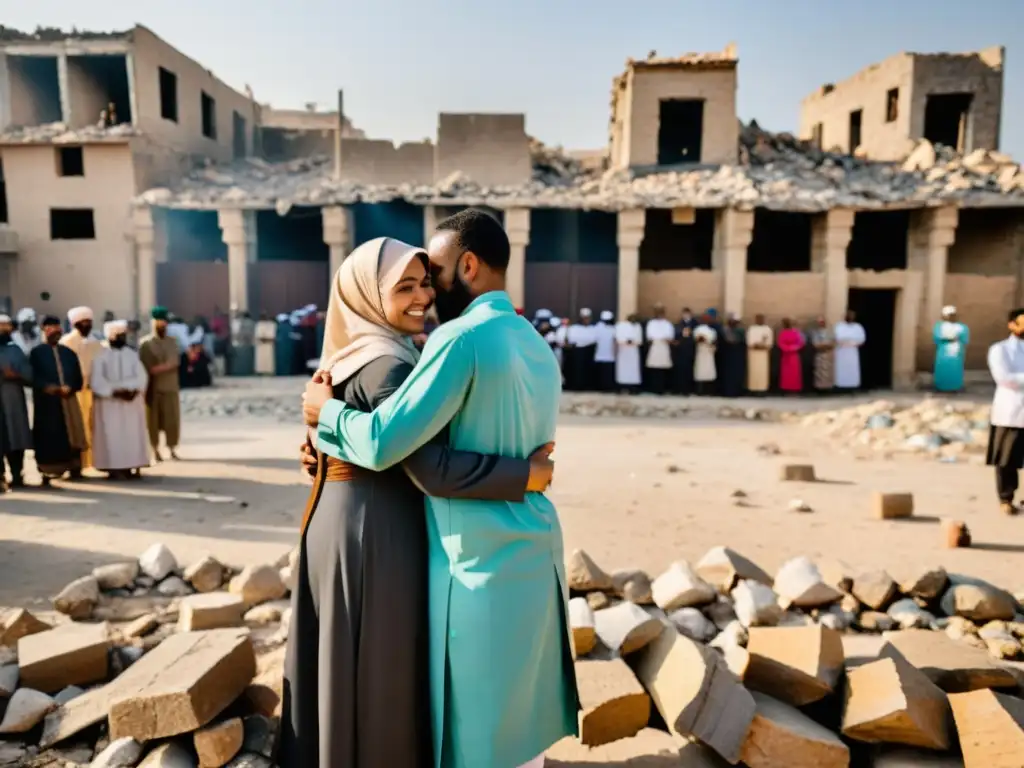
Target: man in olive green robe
161,356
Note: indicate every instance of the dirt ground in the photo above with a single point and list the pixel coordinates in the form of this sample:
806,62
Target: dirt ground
632,493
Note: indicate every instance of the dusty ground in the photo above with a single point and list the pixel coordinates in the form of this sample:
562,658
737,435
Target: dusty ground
616,494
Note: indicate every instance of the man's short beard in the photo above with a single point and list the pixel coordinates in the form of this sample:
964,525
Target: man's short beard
452,302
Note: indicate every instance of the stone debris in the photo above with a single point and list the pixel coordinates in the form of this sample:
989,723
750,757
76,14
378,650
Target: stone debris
991,728
213,610
117,575
19,623
259,734
26,708
158,562
79,598
169,755
258,584
799,583
782,736
953,666
123,753
205,575
909,615
775,171
581,622
722,568
978,601
681,587
756,604
691,623
626,628
613,704
633,585
71,654
797,473
798,665
956,534
217,744
876,589
925,583
584,575
892,506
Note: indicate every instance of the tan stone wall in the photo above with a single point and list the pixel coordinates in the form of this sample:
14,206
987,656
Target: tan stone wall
149,54
980,74
982,302
867,91
491,149
697,289
988,242
647,87
99,272
797,295
381,162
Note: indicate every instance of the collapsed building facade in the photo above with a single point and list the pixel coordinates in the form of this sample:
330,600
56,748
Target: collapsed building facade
690,208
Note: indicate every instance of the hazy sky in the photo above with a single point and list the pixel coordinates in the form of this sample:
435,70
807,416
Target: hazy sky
400,62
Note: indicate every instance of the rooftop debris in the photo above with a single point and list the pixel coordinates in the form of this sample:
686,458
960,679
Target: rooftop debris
55,35
60,133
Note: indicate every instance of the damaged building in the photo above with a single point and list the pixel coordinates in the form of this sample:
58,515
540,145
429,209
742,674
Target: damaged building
689,207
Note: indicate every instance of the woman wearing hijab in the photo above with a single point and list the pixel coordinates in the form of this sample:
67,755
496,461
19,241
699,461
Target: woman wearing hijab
356,690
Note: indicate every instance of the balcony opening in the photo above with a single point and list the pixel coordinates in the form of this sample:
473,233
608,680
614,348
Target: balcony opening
98,90
209,110
680,131
667,245
70,161
781,242
879,240
892,105
856,118
238,135
947,118
34,90
72,224
168,95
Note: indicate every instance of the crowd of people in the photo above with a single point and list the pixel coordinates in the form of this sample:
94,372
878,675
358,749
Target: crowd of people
704,356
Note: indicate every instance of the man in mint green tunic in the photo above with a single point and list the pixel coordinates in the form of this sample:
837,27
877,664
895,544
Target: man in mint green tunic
951,338
502,680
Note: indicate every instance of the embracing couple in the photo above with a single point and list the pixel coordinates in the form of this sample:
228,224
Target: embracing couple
429,621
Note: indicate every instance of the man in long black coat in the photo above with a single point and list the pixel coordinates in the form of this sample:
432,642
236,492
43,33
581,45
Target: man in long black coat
58,431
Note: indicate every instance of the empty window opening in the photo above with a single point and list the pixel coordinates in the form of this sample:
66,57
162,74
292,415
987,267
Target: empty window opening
296,236
72,224
879,240
818,135
677,246
947,119
98,90
168,95
572,236
986,242
209,109
892,105
855,122
34,90
238,135
781,242
194,236
70,161
3,194
680,130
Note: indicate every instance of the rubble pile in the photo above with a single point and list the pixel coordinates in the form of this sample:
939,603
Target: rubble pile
60,133
820,666
775,171
948,431
155,666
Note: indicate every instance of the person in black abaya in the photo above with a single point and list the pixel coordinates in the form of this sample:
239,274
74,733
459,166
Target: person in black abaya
684,349
580,346
732,358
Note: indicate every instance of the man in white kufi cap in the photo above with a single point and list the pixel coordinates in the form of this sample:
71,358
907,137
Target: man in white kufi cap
951,338
604,351
81,341
119,380
26,335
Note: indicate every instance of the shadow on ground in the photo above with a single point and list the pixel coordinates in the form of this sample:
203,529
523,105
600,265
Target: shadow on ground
20,559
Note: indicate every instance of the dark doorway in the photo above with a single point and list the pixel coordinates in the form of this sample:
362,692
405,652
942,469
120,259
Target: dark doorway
876,311
781,242
946,119
238,136
667,245
855,124
879,240
680,127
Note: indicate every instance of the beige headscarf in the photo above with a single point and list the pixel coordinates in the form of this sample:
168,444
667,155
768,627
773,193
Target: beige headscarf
356,329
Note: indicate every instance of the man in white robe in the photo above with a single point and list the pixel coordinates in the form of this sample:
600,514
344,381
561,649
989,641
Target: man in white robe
266,333
660,335
119,379
629,336
604,351
760,340
81,340
850,337
705,372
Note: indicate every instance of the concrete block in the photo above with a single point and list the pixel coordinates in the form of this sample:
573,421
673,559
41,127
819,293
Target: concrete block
892,506
71,654
614,704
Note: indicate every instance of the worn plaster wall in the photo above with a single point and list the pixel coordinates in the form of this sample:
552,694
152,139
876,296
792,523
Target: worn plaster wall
978,73
797,295
640,113
989,241
982,302
100,271
186,135
867,91
381,162
697,289
31,87
491,149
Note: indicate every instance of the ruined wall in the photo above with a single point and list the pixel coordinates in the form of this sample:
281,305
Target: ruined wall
155,166
866,91
982,302
86,94
797,295
989,241
101,271
186,135
280,144
717,87
678,288
491,149
33,91
979,73
381,162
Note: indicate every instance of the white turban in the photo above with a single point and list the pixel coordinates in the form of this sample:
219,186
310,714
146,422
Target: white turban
26,314
948,310
5,318
606,315
555,322
114,327
78,314
282,318
542,314
585,312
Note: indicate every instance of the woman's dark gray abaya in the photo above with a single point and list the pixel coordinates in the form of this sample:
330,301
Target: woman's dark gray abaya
356,689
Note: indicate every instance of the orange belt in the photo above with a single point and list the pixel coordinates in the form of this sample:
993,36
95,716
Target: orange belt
328,470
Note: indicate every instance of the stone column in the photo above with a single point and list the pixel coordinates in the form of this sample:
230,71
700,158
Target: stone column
145,262
632,226
734,229
238,230
429,223
65,90
939,233
338,232
517,225
830,236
